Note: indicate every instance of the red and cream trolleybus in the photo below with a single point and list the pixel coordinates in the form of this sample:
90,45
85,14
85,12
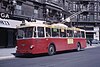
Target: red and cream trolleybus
35,38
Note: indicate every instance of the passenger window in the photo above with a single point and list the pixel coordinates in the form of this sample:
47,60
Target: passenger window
77,34
40,31
48,32
29,32
62,33
69,33
55,32
83,34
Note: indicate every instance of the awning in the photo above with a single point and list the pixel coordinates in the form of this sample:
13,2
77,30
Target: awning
8,23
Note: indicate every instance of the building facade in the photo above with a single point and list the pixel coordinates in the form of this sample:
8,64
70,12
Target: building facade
88,19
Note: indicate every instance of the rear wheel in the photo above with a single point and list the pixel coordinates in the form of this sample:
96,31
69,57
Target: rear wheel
78,47
51,50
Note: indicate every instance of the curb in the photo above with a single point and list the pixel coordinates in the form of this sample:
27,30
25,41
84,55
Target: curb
91,47
7,57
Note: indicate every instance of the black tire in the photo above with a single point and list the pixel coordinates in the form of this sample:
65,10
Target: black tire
51,50
78,47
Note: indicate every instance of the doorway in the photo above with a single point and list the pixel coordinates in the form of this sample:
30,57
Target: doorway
3,37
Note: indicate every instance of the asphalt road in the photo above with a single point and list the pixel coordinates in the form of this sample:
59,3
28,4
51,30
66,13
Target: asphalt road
87,58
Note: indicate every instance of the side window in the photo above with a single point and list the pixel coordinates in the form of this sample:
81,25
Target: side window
83,34
29,32
62,33
55,32
77,34
40,31
20,33
70,33
48,32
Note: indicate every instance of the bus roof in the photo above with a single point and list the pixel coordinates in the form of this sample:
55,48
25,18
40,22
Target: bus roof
31,24
58,25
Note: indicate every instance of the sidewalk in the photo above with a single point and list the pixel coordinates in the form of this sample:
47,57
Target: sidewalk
8,53
93,46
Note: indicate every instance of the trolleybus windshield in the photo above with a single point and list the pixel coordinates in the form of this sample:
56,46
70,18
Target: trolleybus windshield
26,32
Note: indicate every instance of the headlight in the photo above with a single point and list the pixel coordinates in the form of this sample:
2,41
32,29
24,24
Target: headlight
32,46
16,47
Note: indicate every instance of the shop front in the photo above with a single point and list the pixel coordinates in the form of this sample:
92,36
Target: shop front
8,32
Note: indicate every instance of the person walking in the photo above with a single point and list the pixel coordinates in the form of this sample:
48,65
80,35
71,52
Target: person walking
90,42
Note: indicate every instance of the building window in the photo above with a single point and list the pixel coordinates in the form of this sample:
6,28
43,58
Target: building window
84,17
88,17
92,6
95,16
4,4
74,7
81,17
91,17
36,12
18,9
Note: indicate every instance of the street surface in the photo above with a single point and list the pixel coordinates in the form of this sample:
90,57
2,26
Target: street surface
86,58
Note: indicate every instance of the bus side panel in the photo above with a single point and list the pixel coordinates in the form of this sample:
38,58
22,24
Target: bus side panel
63,44
60,43
41,46
82,41
71,44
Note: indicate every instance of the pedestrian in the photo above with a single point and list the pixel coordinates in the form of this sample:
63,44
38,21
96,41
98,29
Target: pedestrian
90,42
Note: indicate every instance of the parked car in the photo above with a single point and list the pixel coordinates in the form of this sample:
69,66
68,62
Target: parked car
95,41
